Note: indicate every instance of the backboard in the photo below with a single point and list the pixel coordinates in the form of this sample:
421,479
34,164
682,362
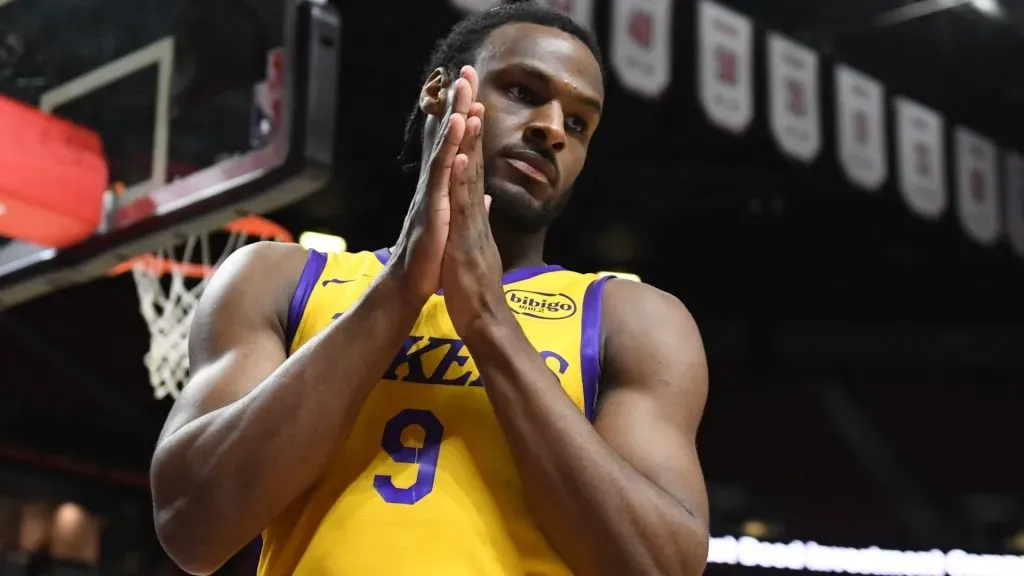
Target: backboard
207,110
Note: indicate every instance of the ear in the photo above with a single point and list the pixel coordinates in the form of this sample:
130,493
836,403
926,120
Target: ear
434,95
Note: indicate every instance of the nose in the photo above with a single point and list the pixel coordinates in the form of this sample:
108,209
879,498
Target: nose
547,125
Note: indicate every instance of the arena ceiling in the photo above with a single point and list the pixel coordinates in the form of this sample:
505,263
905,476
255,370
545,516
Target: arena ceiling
797,280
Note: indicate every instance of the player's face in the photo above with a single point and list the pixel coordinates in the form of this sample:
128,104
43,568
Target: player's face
543,94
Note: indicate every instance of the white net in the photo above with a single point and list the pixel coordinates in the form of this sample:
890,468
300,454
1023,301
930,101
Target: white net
170,284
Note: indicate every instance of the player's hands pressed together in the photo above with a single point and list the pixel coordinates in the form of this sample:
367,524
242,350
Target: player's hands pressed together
420,248
471,270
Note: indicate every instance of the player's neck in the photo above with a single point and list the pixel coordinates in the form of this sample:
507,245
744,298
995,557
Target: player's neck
517,249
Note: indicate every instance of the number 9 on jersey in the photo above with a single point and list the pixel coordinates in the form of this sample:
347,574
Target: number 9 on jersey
425,457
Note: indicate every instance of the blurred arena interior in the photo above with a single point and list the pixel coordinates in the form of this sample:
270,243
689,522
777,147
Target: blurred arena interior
830,186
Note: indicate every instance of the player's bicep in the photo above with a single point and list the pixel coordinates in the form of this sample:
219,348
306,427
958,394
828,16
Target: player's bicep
237,338
655,379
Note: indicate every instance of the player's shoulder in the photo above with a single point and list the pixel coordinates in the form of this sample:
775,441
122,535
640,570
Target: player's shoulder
644,328
257,277
634,307
270,253
269,262
633,295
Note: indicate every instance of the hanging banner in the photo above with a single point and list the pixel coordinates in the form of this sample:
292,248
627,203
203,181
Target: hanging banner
725,44
1015,200
921,154
642,45
977,186
582,11
793,98
471,6
860,126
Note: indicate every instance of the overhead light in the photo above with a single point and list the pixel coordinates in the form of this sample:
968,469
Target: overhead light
988,7
322,242
622,275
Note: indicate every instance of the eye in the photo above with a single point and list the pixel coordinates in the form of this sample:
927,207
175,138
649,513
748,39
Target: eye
576,124
522,93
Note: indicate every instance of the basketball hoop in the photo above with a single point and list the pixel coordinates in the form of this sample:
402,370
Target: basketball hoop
168,307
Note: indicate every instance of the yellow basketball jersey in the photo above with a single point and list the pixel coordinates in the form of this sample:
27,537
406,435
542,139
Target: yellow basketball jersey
425,483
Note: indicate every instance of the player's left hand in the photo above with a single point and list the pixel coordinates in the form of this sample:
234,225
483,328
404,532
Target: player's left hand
471,269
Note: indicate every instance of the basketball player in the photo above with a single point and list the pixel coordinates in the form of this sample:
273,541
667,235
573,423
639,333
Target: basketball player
452,405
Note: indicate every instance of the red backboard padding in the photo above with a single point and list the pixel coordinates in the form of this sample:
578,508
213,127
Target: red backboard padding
52,177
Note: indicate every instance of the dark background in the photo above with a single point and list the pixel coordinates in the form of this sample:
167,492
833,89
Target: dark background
866,365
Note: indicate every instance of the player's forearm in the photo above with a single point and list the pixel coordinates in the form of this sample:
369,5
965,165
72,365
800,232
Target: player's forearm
229,473
599,513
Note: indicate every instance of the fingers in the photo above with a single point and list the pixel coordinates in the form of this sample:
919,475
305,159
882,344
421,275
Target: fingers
459,189
460,130
441,163
474,128
468,73
464,91
472,143
466,183
463,97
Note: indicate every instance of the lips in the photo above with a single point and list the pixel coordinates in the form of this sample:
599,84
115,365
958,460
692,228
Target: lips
533,165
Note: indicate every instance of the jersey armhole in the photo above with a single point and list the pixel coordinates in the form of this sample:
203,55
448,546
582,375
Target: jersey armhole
315,264
590,345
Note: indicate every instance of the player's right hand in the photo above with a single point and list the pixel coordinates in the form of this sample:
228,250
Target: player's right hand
420,249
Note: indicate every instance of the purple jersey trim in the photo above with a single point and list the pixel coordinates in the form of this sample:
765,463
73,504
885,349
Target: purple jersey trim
255,551
513,276
590,344
315,264
510,277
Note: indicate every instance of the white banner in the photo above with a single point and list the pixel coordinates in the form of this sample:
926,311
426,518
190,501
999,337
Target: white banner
725,45
582,11
799,556
1015,200
860,125
642,45
921,155
793,98
469,6
977,186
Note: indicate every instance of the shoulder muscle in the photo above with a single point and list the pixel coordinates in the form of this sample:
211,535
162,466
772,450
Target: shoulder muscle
651,340
237,335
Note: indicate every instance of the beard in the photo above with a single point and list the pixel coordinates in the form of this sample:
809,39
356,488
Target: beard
515,210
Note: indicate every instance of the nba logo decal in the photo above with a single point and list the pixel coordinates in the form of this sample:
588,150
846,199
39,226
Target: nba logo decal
1015,200
860,124
793,91
921,155
268,101
641,45
977,200
725,75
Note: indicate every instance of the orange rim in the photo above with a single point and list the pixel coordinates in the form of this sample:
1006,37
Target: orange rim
258,226
163,267
253,226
